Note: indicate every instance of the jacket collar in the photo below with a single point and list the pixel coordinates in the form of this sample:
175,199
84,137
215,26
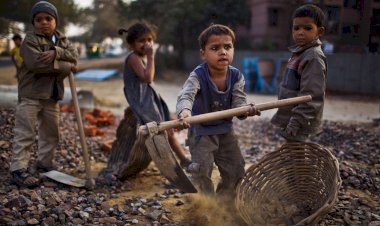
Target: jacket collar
57,34
297,49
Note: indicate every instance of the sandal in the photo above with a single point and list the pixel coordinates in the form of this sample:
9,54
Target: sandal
22,178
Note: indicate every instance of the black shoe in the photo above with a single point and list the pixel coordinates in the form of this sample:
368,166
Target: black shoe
22,178
185,163
43,169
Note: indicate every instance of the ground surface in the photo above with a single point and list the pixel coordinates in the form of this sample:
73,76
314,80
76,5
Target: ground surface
350,132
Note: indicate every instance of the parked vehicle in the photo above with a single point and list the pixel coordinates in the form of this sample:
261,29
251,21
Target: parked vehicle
114,50
94,50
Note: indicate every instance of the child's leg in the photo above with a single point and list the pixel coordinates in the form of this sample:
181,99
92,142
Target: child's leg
202,150
24,137
177,148
48,131
230,163
24,133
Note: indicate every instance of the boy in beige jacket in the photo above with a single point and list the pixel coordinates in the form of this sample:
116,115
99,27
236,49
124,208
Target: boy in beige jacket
48,58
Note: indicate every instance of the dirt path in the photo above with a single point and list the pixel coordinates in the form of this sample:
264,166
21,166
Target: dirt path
109,93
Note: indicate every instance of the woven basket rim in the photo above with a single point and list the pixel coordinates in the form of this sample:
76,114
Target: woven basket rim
291,148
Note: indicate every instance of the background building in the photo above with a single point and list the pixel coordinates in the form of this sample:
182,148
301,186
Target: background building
352,25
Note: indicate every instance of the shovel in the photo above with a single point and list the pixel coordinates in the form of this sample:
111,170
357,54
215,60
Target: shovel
62,177
160,150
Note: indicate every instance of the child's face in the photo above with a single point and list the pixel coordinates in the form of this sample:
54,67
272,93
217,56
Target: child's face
218,52
140,44
305,30
44,23
17,42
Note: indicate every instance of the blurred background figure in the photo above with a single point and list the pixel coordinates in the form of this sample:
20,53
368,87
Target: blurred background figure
15,53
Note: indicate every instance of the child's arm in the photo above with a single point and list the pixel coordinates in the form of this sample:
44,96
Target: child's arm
239,98
313,82
145,73
68,53
34,60
186,96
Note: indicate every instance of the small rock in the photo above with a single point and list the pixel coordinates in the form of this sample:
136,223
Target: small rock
33,221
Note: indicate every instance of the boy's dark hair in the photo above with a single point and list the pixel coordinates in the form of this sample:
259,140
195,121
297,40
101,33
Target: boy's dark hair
138,29
16,36
214,29
312,11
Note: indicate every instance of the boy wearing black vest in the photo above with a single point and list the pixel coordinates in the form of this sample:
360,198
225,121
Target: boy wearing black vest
213,86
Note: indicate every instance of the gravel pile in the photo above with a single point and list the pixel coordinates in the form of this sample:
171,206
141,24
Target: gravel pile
357,146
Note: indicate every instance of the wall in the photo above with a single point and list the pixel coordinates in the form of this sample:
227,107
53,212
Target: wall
347,72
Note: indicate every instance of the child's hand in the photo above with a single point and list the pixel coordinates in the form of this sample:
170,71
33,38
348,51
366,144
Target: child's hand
184,114
148,47
73,68
291,129
47,57
253,111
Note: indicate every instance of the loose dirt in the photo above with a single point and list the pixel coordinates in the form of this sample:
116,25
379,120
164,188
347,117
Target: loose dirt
355,142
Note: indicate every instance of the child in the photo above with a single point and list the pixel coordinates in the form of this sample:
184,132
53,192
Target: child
15,53
144,100
48,58
213,86
305,74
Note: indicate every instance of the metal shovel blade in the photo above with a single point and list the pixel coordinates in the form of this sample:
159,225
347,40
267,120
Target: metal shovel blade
65,178
160,151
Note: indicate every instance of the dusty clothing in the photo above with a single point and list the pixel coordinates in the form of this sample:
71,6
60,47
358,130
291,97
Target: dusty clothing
215,141
28,113
144,100
200,95
305,74
223,149
44,81
40,87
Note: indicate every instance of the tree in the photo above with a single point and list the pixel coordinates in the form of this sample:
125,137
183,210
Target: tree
15,11
104,18
181,21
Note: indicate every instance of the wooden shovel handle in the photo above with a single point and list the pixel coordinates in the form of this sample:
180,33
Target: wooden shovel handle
217,115
89,181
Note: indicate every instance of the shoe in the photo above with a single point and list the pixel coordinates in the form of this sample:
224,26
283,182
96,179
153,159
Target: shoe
185,163
22,178
43,169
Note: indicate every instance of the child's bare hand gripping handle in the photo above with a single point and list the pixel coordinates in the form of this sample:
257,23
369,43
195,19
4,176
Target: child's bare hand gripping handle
212,116
186,113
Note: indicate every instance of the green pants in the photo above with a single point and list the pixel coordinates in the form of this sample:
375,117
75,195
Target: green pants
224,151
29,113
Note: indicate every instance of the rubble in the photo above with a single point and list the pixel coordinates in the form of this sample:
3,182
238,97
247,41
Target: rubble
356,145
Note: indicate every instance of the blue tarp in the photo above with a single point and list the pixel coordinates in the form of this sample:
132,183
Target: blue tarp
96,74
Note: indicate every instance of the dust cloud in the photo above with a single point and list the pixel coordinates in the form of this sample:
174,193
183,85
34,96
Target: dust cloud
211,211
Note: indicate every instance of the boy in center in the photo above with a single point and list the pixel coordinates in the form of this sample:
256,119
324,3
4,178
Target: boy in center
213,86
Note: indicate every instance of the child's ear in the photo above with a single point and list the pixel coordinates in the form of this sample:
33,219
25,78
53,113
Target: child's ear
202,53
321,31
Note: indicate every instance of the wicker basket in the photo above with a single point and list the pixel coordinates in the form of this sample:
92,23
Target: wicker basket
295,185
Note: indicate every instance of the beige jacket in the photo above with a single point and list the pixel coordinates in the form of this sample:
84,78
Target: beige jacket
44,81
